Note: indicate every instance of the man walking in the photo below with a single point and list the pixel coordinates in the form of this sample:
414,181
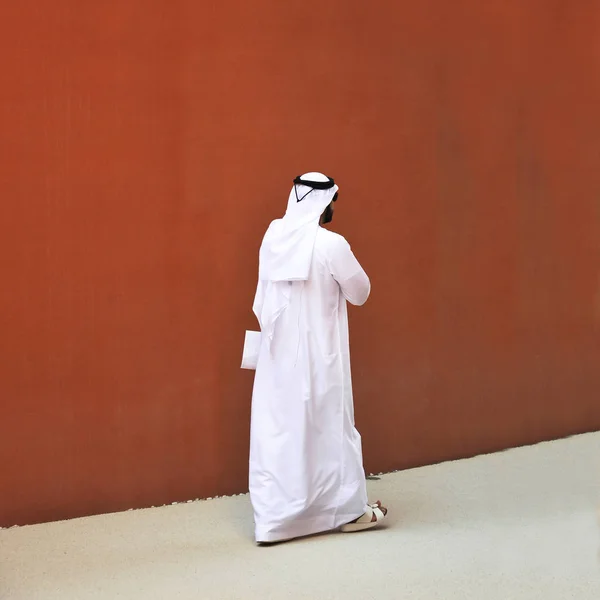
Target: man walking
306,469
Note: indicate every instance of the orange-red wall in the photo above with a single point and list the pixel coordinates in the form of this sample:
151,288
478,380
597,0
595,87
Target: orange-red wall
145,145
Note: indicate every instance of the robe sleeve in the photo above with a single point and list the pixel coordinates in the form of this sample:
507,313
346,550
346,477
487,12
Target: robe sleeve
350,276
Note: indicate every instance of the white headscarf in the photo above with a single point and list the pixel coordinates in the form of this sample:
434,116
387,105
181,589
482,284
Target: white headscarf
287,248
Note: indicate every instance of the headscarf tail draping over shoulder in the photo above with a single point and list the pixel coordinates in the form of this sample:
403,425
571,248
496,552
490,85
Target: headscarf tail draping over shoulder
287,248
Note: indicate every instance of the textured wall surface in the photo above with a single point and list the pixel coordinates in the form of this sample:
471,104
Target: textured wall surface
145,146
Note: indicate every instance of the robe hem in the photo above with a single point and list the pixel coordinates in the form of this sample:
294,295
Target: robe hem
265,533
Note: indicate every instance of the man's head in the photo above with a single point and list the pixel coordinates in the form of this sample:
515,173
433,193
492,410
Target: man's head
327,215
312,197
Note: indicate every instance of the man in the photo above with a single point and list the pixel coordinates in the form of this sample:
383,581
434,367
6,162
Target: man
306,471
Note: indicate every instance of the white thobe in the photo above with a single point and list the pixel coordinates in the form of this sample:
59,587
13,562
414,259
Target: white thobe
306,469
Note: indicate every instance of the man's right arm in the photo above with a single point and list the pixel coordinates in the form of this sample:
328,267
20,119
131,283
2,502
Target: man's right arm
350,276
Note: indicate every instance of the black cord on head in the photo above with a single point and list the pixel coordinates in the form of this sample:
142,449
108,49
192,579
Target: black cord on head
317,185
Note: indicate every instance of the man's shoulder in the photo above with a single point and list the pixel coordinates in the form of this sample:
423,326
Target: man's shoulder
272,228
329,239
274,224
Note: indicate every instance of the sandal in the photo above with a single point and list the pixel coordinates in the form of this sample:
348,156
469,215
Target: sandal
366,520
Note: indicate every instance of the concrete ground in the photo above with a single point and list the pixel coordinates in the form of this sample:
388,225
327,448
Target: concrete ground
521,524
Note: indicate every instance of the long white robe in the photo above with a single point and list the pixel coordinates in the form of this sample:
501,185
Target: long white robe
306,469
